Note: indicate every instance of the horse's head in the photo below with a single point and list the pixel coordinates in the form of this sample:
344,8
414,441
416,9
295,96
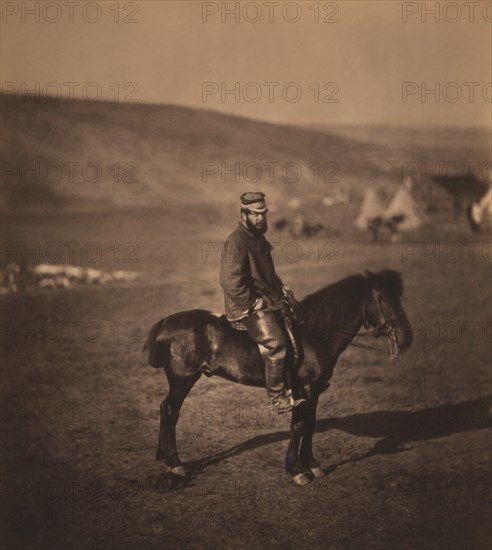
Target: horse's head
384,312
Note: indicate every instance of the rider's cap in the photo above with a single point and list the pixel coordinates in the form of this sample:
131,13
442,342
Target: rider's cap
254,201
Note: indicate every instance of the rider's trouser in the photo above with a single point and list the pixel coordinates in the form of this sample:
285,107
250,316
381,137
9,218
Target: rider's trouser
266,328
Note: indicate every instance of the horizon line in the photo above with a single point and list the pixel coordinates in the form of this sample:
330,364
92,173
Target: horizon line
316,125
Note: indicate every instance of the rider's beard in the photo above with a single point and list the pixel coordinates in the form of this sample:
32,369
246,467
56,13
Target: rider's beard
260,228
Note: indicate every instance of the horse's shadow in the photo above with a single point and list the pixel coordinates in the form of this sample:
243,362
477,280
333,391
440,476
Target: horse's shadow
393,428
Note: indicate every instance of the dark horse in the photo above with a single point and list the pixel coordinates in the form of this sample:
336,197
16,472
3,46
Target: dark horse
188,344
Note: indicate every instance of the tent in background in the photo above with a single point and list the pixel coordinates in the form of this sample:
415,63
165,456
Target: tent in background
371,208
403,204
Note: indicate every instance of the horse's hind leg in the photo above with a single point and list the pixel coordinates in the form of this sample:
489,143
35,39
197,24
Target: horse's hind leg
170,407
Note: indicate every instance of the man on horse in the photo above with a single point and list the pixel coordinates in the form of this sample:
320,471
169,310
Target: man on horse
256,299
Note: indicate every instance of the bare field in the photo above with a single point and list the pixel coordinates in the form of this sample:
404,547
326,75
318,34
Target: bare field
406,445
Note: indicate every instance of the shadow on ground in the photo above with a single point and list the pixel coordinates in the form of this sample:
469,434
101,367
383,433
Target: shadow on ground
393,428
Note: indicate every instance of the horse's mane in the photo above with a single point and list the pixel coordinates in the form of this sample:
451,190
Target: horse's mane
332,302
324,306
389,281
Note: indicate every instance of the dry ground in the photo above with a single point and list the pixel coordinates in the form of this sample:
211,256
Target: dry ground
406,445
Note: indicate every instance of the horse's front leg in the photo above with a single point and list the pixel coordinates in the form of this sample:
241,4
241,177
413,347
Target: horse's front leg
293,465
307,458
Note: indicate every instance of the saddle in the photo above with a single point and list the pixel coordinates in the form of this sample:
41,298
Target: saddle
294,358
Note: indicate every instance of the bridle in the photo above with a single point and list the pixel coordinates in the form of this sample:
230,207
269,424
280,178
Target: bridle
384,328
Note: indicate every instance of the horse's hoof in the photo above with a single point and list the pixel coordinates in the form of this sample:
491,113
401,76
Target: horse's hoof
178,471
317,472
301,479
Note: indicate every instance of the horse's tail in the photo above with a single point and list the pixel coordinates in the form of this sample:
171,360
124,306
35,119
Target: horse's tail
152,347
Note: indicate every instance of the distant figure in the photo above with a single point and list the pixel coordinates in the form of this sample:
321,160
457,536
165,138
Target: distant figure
378,224
302,227
297,226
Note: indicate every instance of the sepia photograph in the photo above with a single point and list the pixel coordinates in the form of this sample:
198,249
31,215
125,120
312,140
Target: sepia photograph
245,274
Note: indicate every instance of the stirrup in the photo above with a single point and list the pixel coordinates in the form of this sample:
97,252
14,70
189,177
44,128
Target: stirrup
285,403
295,402
299,401
282,404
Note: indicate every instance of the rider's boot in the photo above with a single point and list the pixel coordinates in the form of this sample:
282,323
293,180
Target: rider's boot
282,400
294,386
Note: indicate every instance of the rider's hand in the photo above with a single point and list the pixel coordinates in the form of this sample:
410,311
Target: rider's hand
259,304
290,294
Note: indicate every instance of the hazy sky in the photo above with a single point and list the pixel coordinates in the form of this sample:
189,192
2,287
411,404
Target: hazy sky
173,48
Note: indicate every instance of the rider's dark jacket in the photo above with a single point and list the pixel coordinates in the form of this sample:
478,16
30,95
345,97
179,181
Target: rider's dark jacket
247,273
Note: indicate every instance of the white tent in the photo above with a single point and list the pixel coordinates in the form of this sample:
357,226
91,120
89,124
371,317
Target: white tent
403,204
371,208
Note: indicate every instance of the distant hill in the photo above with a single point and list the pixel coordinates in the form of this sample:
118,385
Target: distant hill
100,156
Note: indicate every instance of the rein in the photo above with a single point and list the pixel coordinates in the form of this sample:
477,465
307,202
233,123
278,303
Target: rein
358,344
389,333
385,328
